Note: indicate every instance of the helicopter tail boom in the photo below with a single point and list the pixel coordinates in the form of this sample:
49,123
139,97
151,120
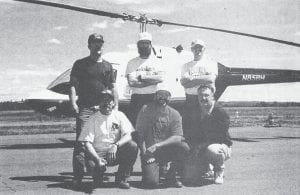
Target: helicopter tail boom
250,76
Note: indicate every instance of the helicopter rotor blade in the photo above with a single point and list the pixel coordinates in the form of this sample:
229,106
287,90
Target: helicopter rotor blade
233,32
75,8
144,19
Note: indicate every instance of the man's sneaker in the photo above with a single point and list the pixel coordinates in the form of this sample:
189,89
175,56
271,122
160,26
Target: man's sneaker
171,179
123,184
174,183
121,181
209,174
219,176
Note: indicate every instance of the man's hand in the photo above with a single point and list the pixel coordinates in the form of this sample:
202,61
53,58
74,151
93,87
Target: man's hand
75,108
148,158
153,148
112,153
101,162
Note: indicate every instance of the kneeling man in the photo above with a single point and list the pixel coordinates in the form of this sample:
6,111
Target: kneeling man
107,140
160,140
210,140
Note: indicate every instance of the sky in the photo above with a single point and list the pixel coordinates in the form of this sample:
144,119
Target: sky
38,43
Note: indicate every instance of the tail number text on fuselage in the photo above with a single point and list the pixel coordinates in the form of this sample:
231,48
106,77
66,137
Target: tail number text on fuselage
253,77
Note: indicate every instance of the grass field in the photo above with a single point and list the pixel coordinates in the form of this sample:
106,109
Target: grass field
30,122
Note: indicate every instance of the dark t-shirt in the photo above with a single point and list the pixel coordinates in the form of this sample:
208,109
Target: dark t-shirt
90,78
155,124
212,128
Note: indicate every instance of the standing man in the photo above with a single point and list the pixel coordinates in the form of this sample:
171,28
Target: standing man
143,73
201,71
89,76
107,140
210,142
160,140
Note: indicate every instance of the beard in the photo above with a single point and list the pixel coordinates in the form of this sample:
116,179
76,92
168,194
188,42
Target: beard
144,51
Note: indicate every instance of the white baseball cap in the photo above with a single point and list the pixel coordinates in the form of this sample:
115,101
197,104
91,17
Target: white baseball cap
198,42
145,36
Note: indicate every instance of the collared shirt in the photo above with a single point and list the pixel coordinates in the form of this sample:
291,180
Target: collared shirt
104,130
213,128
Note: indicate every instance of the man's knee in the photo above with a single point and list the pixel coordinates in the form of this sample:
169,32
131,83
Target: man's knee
215,153
182,149
130,146
128,152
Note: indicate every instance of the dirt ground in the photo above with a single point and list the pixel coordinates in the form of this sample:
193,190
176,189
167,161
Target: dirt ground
264,161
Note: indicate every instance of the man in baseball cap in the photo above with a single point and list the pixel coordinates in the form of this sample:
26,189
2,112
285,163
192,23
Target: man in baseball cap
145,36
143,73
95,37
201,71
198,42
86,83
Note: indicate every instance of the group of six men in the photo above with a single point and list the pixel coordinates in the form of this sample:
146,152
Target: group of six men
106,137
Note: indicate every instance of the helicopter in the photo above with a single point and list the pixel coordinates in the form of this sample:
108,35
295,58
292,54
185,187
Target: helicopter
227,76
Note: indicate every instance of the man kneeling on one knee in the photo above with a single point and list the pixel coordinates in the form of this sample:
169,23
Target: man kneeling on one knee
210,140
160,140
108,142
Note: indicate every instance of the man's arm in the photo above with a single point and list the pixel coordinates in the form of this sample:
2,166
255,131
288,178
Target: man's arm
124,139
74,83
91,150
176,133
133,81
174,139
153,79
112,153
72,97
116,96
188,82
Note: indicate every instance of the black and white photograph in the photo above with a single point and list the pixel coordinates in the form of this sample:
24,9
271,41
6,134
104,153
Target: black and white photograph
150,96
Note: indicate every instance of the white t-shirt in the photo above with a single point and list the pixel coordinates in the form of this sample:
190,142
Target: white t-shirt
139,66
205,66
104,130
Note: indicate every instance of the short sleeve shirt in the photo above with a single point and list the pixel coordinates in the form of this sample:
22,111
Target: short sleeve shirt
139,66
104,130
90,78
156,124
205,66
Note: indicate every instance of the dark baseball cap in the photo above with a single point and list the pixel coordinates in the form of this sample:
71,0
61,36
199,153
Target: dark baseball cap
95,37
